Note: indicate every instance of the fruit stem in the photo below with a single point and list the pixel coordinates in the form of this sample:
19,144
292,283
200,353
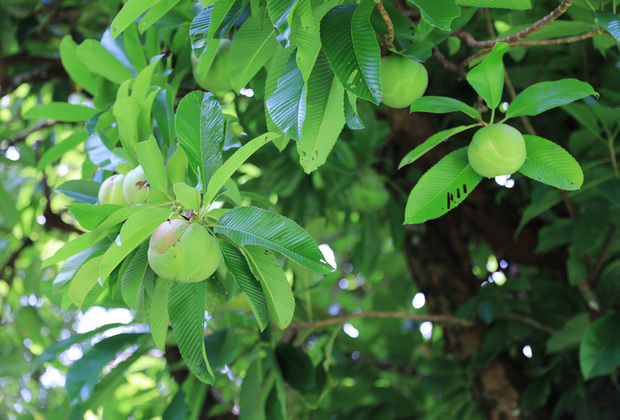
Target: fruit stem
612,155
389,39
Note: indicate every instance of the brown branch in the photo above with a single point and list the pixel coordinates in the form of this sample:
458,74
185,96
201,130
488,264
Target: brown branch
513,94
526,320
389,39
473,43
448,64
10,264
439,319
593,277
23,136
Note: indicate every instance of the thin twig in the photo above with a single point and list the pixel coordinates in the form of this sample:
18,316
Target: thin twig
439,319
447,63
473,43
526,320
389,39
593,277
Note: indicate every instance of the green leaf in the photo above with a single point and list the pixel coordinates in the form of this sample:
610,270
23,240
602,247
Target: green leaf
570,336
69,249
176,167
135,230
187,196
500,4
252,48
128,14
487,78
296,367
78,71
431,142
439,13
225,171
280,12
127,115
599,353
100,61
249,397
550,164
158,313
443,105
351,47
59,149
254,226
441,188
287,105
152,163
611,23
90,215
60,111
200,129
273,281
238,267
186,307
118,217
9,215
84,374
324,117
156,13
80,189
351,114
84,280
221,346
543,96
131,280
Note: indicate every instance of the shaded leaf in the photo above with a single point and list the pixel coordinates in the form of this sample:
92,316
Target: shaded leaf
487,78
599,353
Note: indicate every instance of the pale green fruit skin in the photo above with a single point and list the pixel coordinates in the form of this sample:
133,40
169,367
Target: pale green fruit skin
216,79
183,251
498,149
111,191
368,194
136,194
403,80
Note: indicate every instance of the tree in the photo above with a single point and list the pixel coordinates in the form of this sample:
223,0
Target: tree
368,268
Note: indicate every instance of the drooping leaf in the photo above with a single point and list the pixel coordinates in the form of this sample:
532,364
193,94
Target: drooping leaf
443,105
131,280
249,285
487,78
280,12
611,23
254,226
502,4
250,407
156,13
431,142
158,313
550,164
80,189
599,353
200,129
439,13
90,215
84,280
543,96
273,281
287,105
324,119
251,50
101,61
78,71
351,47
441,188
186,307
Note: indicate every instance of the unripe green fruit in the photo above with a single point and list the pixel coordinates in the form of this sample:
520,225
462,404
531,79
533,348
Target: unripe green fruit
216,78
368,194
495,150
403,80
111,191
136,188
183,251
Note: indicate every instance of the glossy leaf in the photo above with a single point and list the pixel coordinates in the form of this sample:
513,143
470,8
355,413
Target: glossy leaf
100,61
487,78
80,189
550,164
443,105
439,13
431,142
186,307
254,226
84,280
280,12
78,71
611,23
60,111
187,196
543,96
273,281
90,215
131,281
501,4
156,13
351,47
158,313
128,14
287,105
152,163
249,285
441,188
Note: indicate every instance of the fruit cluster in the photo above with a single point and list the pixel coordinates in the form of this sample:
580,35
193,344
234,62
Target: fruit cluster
128,190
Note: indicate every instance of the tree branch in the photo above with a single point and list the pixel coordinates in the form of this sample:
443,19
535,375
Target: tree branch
526,320
473,43
389,39
460,70
594,275
439,319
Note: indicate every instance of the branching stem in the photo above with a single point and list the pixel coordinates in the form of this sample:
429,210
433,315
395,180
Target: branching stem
389,39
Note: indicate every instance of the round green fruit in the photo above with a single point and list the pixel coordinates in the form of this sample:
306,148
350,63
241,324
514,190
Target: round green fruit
216,78
136,189
183,251
368,194
111,190
495,150
403,80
